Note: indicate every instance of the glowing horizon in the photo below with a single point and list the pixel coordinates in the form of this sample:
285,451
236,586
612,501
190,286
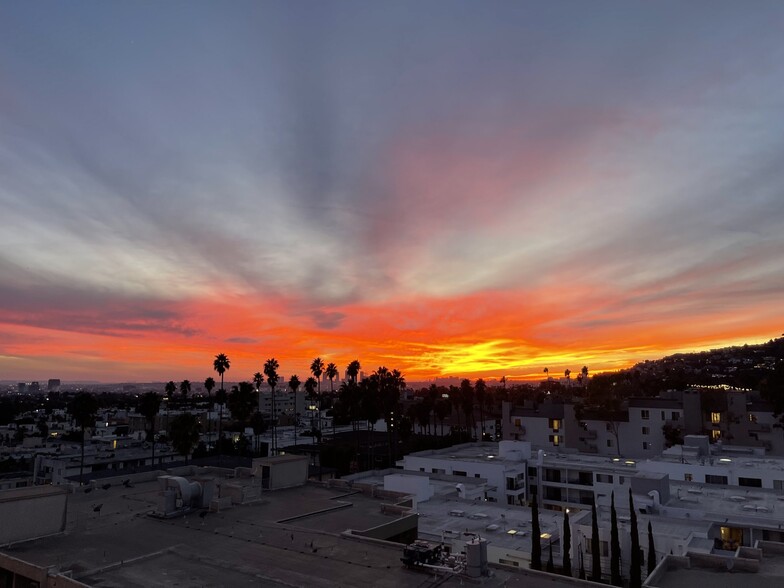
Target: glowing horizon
499,193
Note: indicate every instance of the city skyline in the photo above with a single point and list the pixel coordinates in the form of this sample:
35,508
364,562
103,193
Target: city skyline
454,189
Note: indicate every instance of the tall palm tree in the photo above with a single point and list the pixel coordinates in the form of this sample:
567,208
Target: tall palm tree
317,368
331,372
294,384
310,391
83,409
220,365
209,384
258,379
271,371
352,371
546,373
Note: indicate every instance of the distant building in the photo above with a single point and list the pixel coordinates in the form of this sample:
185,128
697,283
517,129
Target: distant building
53,385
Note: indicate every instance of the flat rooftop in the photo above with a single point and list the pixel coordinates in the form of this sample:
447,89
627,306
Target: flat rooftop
770,575
119,545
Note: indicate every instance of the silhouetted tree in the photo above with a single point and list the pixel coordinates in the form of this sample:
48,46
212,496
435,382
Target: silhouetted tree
651,550
596,559
271,367
220,365
185,389
567,545
83,409
480,389
635,572
536,540
550,565
352,371
317,368
615,546
149,405
185,433
209,384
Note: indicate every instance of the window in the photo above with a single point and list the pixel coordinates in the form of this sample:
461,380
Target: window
645,415
608,427
646,445
715,418
663,418
646,430
752,417
609,443
518,422
715,479
458,473
778,484
715,434
604,478
532,472
688,477
752,482
555,439
555,424
676,416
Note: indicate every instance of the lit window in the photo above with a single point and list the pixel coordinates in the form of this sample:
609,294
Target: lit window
716,434
752,418
555,439
715,418
555,424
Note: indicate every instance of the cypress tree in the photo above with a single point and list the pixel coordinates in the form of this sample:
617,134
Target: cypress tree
567,545
615,546
635,573
536,540
596,561
550,565
651,550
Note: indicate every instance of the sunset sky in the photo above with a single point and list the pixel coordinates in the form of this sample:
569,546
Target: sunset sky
448,188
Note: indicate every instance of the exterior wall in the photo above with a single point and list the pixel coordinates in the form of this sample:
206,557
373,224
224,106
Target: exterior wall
31,512
496,474
769,477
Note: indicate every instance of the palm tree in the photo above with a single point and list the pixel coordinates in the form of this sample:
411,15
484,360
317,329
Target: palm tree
258,379
83,409
149,405
317,368
209,384
271,371
568,374
220,365
546,373
331,372
221,398
310,391
185,389
352,371
294,384
170,388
